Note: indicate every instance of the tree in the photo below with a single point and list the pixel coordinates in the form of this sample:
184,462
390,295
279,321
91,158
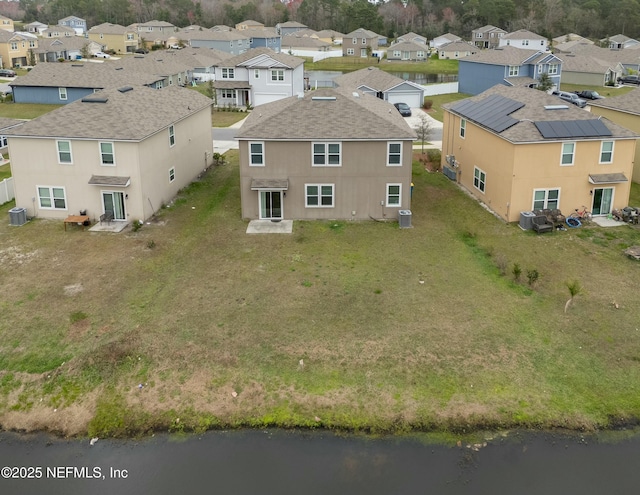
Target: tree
544,82
574,289
423,130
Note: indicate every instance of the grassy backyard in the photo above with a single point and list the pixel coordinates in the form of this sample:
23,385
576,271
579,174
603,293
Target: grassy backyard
190,323
354,63
24,110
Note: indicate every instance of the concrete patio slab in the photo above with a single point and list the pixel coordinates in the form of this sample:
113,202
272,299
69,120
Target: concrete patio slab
607,222
114,227
269,227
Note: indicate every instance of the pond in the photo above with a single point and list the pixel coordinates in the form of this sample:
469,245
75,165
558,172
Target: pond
325,77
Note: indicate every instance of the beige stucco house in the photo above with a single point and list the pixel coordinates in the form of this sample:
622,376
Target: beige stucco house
317,167
359,43
14,48
625,111
519,149
6,23
407,51
115,37
97,154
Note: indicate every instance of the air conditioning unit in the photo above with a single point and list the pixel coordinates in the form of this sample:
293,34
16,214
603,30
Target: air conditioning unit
404,219
17,216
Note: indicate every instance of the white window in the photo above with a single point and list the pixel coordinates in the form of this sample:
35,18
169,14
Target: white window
129,36
319,195
355,40
64,152
277,75
172,136
14,45
541,42
479,179
327,154
606,152
149,28
514,70
463,127
394,194
568,150
553,69
456,54
227,73
256,154
107,155
525,42
229,93
396,53
172,174
546,199
3,142
394,154
62,93
420,54
364,41
32,44
350,51
256,73
508,42
52,198
478,35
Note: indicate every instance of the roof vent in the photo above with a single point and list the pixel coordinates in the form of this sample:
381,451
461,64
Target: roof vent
355,94
323,98
119,68
77,65
95,99
125,89
556,107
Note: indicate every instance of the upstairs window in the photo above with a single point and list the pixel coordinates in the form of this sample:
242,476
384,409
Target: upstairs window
394,154
514,70
107,156
172,136
256,154
568,151
327,154
277,75
606,152
227,73
62,93
64,152
463,128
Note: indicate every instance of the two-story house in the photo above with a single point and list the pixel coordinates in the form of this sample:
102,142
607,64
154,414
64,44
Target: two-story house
58,32
320,167
232,42
619,42
78,24
257,77
15,48
523,38
509,66
289,27
97,155
6,23
359,43
487,36
518,150
114,37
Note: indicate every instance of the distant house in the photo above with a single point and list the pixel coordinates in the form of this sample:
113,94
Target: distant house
150,29
5,125
407,51
257,77
487,36
58,32
6,23
98,155
628,58
383,85
78,24
569,37
114,37
265,37
509,66
619,42
517,150
312,168
624,110
201,62
54,49
232,42
248,24
588,70
330,36
412,38
303,45
35,27
524,39
443,39
289,27
15,47
457,49
359,43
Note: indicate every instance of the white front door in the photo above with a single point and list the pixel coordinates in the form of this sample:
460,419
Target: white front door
363,52
113,201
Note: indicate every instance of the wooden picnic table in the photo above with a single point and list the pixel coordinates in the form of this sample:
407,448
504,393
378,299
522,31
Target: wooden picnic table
79,219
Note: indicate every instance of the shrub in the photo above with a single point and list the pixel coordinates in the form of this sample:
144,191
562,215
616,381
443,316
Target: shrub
136,225
427,104
532,276
517,271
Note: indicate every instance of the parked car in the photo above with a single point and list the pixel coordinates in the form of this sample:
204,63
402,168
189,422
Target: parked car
403,108
142,50
571,98
175,47
101,55
629,80
588,94
7,73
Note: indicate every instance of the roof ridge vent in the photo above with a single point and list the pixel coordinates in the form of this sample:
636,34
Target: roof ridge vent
323,98
95,99
556,107
125,89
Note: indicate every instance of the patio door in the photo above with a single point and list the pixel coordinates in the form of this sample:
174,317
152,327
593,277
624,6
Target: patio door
363,52
602,201
114,201
270,205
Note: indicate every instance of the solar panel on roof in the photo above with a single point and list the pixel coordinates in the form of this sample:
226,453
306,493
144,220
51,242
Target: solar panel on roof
492,112
562,129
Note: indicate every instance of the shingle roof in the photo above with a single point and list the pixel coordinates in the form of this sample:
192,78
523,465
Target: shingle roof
197,57
210,35
66,42
327,114
585,63
460,46
360,33
618,38
292,24
160,63
259,57
612,56
525,131
523,34
506,55
408,46
119,117
488,28
329,33
372,77
10,35
294,41
448,36
6,123
628,102
156,23
108,28
410,36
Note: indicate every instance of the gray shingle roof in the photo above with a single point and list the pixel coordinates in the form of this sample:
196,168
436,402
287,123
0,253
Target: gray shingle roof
628,102
362,33
631,57
293,41
262,54
6,123
372,77
328,33
318,116
408,46
534,110
119,118
210,35
585,63
459,46
506,55
523,34
108,28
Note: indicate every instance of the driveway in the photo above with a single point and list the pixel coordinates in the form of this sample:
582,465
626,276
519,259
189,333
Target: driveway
435,136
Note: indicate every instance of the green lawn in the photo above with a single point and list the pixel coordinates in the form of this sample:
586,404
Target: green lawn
5,171
603,90
354,63
24,110
436,110
421,328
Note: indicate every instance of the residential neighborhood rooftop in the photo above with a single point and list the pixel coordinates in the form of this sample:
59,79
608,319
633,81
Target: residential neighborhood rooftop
507,55
263,57
628,102
371,77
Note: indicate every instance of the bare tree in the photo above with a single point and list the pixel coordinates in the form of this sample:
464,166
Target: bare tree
423,130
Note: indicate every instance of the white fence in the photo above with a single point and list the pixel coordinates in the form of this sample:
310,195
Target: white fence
440,89
6,190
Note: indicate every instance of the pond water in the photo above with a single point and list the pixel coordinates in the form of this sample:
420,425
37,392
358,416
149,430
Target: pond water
325,76
286,462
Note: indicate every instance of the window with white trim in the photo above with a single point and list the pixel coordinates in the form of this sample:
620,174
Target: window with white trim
364,41
129,36
606,152
227,73
52,198
3,142
277,75
64,152
172,174
172,136
62,93
479,179
478,35
256,154
463,128
525,42
553,69
32,44
568,151
327,154
394,194
419,54
397,53
107,155
394,154
319,195
256,73
14,45
229,93
350,51
514,70
546,199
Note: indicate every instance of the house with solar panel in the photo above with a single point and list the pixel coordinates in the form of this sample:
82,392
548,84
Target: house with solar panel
519,149
507,65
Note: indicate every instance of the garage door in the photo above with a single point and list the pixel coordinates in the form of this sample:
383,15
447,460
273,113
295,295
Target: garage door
262,98
411,99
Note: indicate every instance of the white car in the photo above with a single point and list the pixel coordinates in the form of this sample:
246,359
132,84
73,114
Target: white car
101,55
